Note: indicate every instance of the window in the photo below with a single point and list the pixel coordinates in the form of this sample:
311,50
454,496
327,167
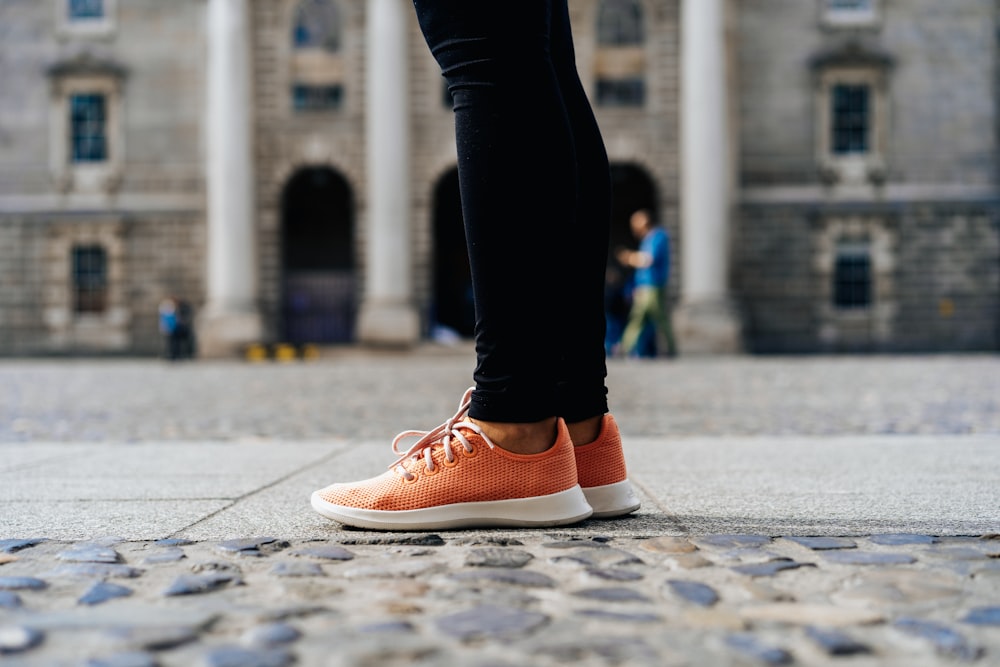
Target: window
85,18
86,134
849,5
855,262
852,276
88,127
317,67
86,9
619,23
620,67
316,98
850,118
850,12
90,279
621,92
317,26
851,124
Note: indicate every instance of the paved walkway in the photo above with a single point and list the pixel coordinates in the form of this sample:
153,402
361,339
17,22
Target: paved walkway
174,505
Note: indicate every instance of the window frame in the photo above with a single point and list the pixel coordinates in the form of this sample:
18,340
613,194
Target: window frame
868,325
621,65
640,28
833,17
86,176
855,168
316,67
104,26
68,328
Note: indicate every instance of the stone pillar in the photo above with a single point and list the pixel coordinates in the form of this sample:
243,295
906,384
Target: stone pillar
231,317
388,315
706,319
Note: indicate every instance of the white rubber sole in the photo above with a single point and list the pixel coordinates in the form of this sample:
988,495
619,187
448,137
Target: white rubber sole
612,500
557,509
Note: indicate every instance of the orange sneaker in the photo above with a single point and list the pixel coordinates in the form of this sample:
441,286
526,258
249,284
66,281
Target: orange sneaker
455,477
600,469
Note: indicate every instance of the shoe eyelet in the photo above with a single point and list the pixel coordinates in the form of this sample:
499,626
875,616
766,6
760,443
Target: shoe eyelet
430,473
470,455
413,479
449,464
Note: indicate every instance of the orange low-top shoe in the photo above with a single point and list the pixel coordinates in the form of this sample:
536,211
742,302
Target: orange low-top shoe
455,477
600,469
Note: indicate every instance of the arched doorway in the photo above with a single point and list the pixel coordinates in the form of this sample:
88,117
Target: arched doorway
318,284
453,310
632,189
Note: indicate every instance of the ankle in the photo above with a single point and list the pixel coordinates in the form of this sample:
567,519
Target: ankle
531,438
586,431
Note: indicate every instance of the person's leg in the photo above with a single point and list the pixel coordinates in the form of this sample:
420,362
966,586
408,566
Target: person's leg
517,180
581,396
581,391
663,324
642,299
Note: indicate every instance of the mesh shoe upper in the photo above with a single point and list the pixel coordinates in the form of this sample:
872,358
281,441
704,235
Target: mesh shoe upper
602,461
441,470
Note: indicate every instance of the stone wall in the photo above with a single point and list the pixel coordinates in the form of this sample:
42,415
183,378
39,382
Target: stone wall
288,140
931,223
936,278
150,257
941,88
149,220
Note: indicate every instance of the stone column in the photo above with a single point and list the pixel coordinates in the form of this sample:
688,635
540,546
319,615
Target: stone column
388,315
231,317
706,319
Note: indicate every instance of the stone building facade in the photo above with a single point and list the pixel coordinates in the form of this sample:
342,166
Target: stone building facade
913,212
827,169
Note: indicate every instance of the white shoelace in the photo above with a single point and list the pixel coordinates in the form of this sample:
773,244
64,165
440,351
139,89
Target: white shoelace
445,433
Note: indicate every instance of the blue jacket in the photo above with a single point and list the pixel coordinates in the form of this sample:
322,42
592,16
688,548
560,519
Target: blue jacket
656,244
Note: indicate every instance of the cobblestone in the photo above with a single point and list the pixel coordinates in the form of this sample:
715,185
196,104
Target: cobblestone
695,592
9,600
540,613
100,401
102,592
836,643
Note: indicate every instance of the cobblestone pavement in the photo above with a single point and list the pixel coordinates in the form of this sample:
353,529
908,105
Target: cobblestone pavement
374,395
626,592
503,598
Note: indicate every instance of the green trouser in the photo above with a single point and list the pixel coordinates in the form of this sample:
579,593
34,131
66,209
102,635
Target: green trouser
648,305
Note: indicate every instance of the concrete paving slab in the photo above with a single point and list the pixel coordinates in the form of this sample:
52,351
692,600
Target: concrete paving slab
775,486
151,471
75,520
19,456
144,491
943,485
283,509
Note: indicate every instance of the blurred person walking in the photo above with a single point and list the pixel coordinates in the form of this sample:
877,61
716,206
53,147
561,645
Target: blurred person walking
652,271
536,200
168,317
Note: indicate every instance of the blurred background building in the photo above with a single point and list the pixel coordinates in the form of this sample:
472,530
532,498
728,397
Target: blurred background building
828,170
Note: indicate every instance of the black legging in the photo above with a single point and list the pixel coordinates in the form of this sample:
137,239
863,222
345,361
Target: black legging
536,198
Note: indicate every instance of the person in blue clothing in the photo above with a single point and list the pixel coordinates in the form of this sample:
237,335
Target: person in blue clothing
652,270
